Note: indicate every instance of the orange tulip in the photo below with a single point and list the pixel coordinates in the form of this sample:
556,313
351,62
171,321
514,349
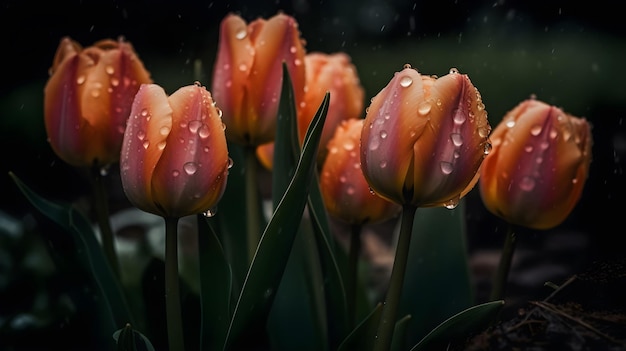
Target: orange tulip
88,98
174,158
345,191
424,139
332,73
535,173
247,79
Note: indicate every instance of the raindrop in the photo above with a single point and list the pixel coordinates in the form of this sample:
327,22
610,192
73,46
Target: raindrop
383,164
203,132
210,212
452,203
104,170
144,112
374,144
194,126
190,168
350,190
109,69
175,173
453,71
230,163
487,148
161,145
141,135
383,134
510,123
342,179
527,183
446,167
241,34
457,139
459,118
165,130
406,81
243,67
348,146
424,108
145,144
80,80
407,65
535,130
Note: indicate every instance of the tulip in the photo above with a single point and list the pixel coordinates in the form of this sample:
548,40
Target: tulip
88,99
174,159
247,78
332,73
345,191
535,173
424,139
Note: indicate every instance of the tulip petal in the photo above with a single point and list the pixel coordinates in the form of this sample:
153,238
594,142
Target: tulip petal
190,176
145,138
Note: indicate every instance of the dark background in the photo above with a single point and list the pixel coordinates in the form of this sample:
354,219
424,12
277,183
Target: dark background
569,54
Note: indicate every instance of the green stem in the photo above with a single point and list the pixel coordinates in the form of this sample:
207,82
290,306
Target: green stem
384,334
353,272
253,220
101,206
502,274
174,319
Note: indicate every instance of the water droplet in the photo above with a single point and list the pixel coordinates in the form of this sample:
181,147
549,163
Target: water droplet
424,108
109,69
527,183
535,130
165,130
144,112
190,168
446,167
161,145
350,190
210,212
487,148
230,163
407,65
510,123
453,70
80,80
194,126
348,145
459,118
406,81
104,170
457,139
175,173
203,132
452,203
95,93
383,134
141,135
241,34
145,144
383,164
115,82
374,144
243,67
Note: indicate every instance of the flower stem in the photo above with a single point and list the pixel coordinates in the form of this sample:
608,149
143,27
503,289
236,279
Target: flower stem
502,274
384,334
172,291
353,272
101,206
253,220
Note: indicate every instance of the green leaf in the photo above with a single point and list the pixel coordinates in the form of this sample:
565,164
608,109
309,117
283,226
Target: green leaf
437,281
460,325
399,333
128,339
228,223
268,265
215,285
88,251
360,338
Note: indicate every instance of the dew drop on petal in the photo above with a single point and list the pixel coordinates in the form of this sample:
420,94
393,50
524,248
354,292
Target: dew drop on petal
161,145
453,70
452,203
527,183
165,130
424,108
175,173
210,212
145,144
406,81
190,168
446,167
535,130
457,139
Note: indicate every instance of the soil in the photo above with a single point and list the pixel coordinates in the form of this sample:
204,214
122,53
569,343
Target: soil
585,312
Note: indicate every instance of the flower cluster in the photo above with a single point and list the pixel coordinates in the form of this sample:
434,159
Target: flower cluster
424,141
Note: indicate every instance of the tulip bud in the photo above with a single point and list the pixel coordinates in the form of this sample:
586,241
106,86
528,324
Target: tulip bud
345,191
247,79
88,98
424,139
535,173
333,73
174,158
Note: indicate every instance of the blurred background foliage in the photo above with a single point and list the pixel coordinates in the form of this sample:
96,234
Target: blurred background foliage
568,54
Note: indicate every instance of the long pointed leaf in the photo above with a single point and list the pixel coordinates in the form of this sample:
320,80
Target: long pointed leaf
359,338
215,285
269,263
461,325
88,251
